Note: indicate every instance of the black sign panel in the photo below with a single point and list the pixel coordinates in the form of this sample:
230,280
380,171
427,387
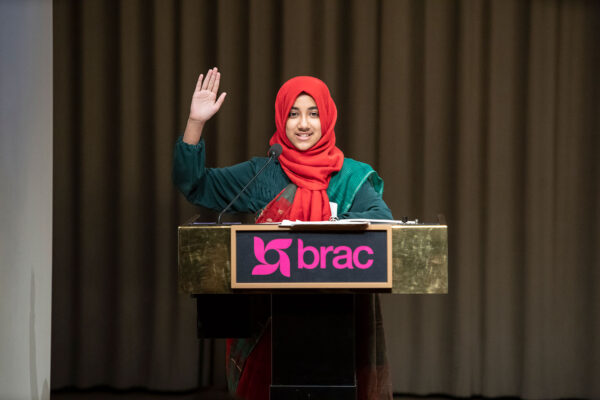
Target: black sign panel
272,257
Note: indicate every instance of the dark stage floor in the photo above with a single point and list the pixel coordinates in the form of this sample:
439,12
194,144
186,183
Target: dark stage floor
138,395
212,394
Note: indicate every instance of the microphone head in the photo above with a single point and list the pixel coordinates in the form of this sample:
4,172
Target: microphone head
275,150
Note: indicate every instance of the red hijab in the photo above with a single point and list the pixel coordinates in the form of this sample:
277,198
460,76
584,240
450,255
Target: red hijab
311,169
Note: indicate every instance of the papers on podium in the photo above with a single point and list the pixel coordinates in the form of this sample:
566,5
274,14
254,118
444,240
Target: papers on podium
342,223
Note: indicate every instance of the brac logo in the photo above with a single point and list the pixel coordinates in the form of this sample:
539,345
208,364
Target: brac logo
342,257
278,245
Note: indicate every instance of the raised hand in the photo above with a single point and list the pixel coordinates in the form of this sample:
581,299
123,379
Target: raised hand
204,105
204,101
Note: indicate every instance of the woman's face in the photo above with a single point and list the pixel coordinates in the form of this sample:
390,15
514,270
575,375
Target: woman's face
303,126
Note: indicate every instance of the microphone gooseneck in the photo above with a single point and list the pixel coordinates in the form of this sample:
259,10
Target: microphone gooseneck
274,152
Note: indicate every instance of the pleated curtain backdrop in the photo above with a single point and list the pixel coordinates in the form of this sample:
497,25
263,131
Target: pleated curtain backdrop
485,111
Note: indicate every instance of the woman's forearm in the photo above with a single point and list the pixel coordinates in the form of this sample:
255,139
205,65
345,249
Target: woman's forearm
193,131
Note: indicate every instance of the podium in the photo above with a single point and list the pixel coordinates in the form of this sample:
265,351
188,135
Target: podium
306,362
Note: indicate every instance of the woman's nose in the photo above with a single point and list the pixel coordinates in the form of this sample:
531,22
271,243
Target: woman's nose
303,123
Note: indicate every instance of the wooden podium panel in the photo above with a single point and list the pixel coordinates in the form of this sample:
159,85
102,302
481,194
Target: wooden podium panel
419,254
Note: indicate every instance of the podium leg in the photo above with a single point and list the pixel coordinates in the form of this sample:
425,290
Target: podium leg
313,342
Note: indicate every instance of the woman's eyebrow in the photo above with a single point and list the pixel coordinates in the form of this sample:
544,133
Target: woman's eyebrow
309,108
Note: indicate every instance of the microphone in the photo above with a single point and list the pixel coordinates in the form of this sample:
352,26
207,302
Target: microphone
274,152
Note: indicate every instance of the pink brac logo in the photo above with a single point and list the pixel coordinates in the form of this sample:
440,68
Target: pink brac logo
265,268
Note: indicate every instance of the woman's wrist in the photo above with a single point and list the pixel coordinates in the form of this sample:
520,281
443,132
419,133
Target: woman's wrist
193,131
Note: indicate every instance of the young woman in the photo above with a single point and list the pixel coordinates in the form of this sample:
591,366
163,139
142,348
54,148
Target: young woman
302,184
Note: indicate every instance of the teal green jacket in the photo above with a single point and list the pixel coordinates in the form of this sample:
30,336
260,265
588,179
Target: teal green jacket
356,188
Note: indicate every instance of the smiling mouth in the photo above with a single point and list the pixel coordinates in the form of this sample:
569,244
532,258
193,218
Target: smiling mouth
304,135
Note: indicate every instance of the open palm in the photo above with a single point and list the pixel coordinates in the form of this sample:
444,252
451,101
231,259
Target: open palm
204,101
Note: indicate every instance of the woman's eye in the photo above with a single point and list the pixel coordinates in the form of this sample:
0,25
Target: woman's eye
314,114
293,114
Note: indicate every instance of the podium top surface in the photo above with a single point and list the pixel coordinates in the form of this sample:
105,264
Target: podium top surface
419,254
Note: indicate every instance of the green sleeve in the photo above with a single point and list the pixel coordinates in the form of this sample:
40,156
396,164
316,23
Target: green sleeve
213,188
357,190
367,204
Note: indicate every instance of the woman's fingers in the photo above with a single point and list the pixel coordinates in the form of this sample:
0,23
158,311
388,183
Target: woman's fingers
199,83
220,100
207,80
215,87
211,82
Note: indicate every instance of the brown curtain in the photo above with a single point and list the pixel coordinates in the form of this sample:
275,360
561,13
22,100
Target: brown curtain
485,111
